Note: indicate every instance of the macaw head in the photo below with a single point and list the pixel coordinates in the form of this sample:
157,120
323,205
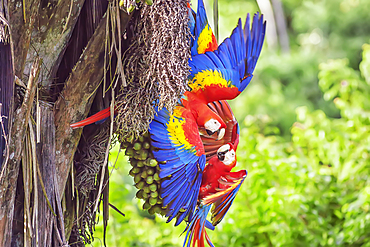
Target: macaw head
226,154
213,125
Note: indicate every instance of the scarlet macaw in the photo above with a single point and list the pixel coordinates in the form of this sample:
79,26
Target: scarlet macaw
219,187
211,143
223,73
183,150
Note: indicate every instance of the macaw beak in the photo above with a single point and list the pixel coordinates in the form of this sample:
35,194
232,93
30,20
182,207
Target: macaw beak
220,134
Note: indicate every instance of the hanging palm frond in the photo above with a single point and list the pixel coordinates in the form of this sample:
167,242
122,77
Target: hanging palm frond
155,64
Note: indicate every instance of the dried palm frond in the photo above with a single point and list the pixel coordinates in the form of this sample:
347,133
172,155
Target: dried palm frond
89,163
155,64
91,158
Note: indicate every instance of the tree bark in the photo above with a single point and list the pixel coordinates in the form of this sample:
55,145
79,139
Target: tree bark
41,32
9,173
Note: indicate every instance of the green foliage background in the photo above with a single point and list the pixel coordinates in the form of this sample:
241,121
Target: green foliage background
305,140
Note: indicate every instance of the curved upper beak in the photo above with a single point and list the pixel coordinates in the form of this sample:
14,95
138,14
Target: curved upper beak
220,134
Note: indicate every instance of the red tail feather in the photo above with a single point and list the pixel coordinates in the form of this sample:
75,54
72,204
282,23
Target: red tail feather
92,119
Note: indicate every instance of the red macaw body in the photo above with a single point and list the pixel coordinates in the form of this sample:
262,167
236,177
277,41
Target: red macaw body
212,173
219,187
200,110
215,169
212,143
183,150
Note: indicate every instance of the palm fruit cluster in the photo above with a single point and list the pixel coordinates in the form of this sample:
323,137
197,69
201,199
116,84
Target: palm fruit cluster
145,171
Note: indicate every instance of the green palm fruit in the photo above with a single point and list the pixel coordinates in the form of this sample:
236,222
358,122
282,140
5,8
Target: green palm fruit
140,163
146,162
144,174
149,180
143,155
154,194
140,185
140,194
149,2
134,170
130,139
137,178
146,205
157,209
146,145
141,138
151,211
153,163
137,146
146,190
129,151
156,177
131,172
145,195
150,171
152,201
153,187
133,162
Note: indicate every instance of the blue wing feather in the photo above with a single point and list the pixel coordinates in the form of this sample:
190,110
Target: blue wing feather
237,54
183,164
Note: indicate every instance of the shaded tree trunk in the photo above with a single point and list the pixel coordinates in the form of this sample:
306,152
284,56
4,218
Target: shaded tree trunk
59,51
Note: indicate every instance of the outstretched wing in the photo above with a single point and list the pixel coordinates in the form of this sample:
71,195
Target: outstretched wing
228,188
180,150
225,72
210,143
204,40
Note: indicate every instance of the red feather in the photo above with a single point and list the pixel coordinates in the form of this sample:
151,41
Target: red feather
92,119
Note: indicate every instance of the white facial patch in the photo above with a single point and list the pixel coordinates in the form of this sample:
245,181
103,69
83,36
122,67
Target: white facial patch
212,125
229,157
